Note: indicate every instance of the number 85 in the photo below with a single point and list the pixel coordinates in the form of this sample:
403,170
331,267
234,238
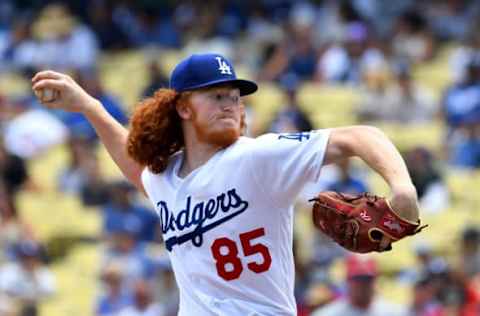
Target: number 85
231,259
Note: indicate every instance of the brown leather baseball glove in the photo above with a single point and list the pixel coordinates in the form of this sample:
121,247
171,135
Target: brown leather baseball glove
359,222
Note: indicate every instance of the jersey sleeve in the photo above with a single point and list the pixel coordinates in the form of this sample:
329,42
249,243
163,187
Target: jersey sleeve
284,163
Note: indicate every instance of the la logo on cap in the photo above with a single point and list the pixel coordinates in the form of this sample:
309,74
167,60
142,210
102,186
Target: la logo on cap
223,66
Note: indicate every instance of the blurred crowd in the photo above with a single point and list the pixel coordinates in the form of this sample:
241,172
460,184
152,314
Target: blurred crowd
368,45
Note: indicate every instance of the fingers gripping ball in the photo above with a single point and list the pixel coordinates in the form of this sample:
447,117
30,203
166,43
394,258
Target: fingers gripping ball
46,95
359,222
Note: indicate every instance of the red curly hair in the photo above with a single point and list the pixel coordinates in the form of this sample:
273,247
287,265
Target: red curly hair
155,130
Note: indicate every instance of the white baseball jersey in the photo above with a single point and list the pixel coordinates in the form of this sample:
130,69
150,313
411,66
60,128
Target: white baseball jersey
228,225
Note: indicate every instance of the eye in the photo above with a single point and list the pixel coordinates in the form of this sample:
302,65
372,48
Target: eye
235,99
218,97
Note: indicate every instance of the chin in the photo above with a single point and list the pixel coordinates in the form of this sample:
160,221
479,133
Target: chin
222,137
225,137
222,133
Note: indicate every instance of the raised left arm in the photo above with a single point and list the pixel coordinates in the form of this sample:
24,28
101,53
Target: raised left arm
372,146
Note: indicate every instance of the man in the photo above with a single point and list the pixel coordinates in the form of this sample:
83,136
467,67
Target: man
360,299
290,117
143,303
123,208
225,201
27,281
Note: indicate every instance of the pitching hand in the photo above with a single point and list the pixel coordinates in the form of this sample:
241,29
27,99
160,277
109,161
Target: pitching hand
68,95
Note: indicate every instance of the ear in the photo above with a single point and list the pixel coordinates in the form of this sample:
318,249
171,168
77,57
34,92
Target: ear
184,111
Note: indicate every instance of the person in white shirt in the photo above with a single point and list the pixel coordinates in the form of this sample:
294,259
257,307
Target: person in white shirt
361,299
143,304
225,201
26,281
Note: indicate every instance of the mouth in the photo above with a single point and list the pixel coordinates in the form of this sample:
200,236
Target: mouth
226,118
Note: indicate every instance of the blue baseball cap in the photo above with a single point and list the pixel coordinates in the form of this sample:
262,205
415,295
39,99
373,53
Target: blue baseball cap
203,70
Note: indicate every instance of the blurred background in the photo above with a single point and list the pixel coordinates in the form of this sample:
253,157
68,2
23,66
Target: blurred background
76,239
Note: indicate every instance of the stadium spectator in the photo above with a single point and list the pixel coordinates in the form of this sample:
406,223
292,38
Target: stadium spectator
95,189
320,293
462,55
77,124
158,79
164,287
412,37
73,177
9,109
360,299
143,304
261,30
114,297
28,130
83,178
7,8
424,302
146,25
462,100
13,40
381,15
333,20
13,177
453,19
4,113
12,228
464,145
351,60
428,180
469,264
296,53
290,118
122,208
27,281
404,101
458,295
428,264
347,182
461,113
13,171
126,251
108,31
57,41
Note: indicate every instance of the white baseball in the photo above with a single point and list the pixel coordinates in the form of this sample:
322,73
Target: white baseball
46,95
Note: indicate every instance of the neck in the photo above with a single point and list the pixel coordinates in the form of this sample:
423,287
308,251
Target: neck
196,154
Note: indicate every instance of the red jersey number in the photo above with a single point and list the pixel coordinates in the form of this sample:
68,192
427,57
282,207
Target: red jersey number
225,252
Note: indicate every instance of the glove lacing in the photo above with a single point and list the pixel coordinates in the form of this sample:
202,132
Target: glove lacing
370,198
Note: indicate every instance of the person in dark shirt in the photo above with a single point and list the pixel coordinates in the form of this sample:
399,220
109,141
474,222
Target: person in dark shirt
13,172
290,118
347,183
122,208
461,101
157,79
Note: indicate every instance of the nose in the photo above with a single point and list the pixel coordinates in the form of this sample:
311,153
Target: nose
230,103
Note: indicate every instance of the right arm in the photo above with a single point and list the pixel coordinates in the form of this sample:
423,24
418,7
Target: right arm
71,97
372,146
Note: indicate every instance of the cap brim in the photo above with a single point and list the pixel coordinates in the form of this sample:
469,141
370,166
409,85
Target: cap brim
246,87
